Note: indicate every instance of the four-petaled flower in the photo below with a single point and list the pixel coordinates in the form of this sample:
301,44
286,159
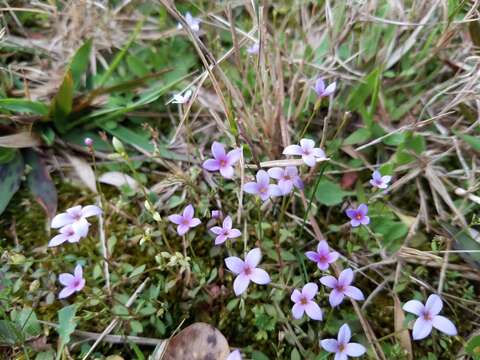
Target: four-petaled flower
307,150
222,161
192,22
323,256
262,186
247,271
185,221
380,181
76,216
67,233
182,99
341,287
304,302
323,91
358,216
254,48
287,178
225,232
234,355
341,346
73,283
428,317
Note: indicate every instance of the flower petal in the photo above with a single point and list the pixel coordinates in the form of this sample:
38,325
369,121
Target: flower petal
57,240
298,310
218,150
354,292
66,279
434,304
319,153
354,349
309,160
211,165
182,229
332,257
234,264
275,172
274,190
307,144
195,222
251,188
262,177
330,89
335,298
227,223
296,296
292,150
78,272
217,230
260,276
340,356
346,277
365,220
313,311
312,255
351,213
240,284
61,220
319,86
66,292
234,355
227,171
444,325
234,233
330,345
310,290
91,210
176,219
233,156
285,186
328,281
220,239
355,223
421,328
363,209
253,257
80,227
414,307
344,334
188,211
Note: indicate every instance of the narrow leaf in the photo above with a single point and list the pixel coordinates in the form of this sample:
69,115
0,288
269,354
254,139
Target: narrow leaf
10,179
79,62
24,106
61,105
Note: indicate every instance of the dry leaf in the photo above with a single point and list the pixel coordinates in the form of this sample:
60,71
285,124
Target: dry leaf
118,179
199,341
20,140
84,171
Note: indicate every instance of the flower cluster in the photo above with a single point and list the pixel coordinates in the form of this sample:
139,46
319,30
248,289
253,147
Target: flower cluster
73,226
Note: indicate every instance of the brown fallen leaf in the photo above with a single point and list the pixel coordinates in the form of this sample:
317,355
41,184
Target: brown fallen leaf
198,341
402,334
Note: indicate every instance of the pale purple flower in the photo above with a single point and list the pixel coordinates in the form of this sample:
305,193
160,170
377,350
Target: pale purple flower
428,317
380,181
225,232
287,178
304,302
307,151
247,271
76,216
262,186
88,142
67,233
341,346
182,99
192,22
323,256
254,48
222,161
216,214
234,355
358,216
341,287
73,283
185,221
321,90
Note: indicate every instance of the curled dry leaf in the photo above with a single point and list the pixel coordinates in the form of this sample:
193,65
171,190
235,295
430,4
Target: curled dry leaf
402,333
118,179
19,140
199,341
84,171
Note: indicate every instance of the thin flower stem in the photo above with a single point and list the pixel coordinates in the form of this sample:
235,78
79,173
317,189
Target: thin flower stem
311,200
187,270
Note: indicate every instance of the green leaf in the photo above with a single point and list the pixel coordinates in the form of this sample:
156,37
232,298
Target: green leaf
24,106
66,322
295,355
10,179
258,355
358,136
392,232
473,141
367,89
61,105
137,66
40,182
27,320
10,333
7,155
473,347
328,193
79,62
